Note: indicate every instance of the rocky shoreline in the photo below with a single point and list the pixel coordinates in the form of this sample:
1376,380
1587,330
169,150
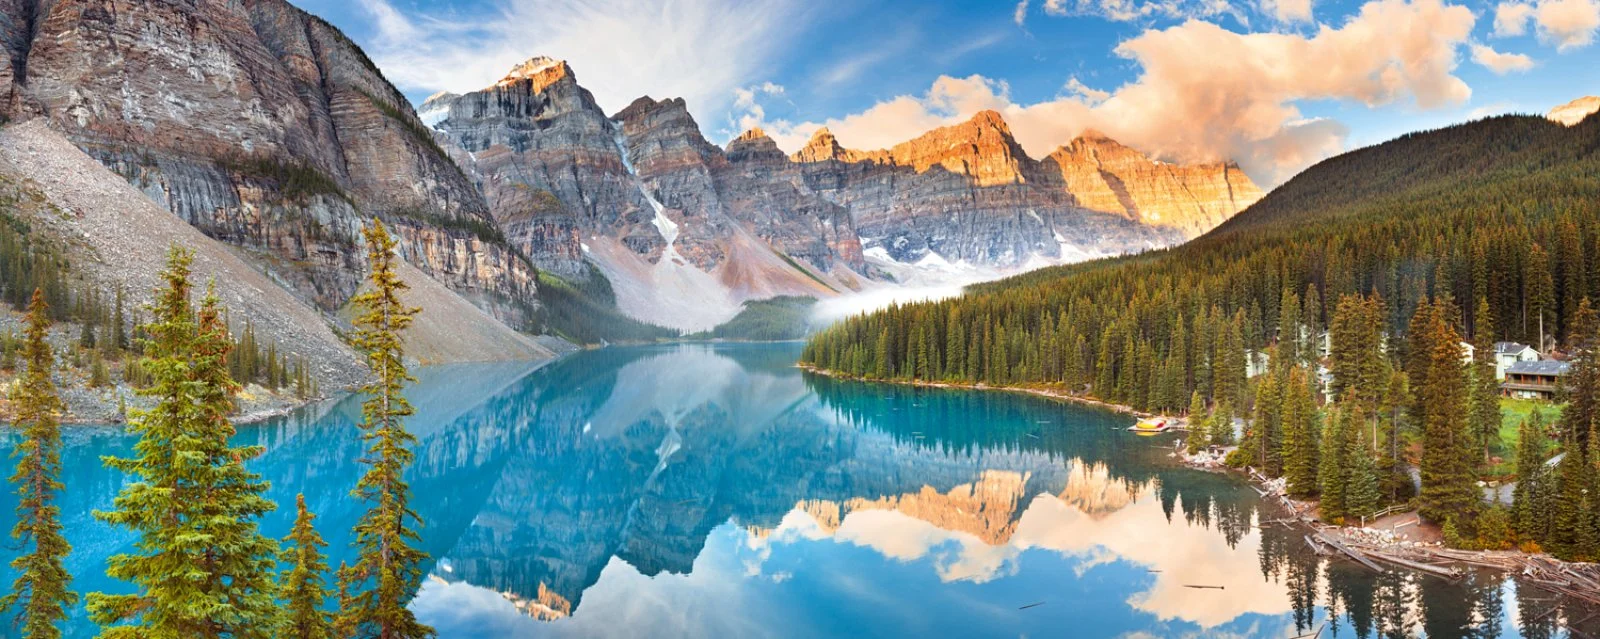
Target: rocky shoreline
1363,544
1421,549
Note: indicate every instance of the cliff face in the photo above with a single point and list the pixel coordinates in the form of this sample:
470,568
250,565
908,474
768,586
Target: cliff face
640,194
1103,175
687,231
262,126
548,162
966,193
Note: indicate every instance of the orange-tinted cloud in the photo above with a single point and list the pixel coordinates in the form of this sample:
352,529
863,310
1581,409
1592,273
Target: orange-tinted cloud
1500,63
1206,93
1567,24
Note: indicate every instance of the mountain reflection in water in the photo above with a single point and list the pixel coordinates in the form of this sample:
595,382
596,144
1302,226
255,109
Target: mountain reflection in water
700,490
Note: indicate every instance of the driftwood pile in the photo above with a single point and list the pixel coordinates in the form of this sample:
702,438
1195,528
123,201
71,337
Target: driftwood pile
1367,546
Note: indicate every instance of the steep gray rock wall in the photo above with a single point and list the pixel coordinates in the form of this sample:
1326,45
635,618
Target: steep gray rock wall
263,126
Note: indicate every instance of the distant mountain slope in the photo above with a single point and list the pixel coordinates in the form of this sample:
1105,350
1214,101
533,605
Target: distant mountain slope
121,240
1417,165
1506,210
687,231
263,126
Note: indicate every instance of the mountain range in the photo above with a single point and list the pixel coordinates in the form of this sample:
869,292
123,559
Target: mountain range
267,129
686,231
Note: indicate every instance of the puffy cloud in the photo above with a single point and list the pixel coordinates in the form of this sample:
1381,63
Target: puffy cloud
1500,63
665,48
1206,93
1511,18
1567,24
1089,94
1020,14
1287,11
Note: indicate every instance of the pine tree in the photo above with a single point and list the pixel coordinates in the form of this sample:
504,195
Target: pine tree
1269,425
1448,483
1572,534
388,571
1333,466
1220,431
1199,431
1300,434
1485,410
1361,493
40,591
302,585
202,569
1529,521
1289,339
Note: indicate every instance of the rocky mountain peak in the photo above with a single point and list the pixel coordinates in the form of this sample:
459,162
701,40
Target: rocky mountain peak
646,106
540,71
436,107
754,144
1573,112
982,147
990,118
820,148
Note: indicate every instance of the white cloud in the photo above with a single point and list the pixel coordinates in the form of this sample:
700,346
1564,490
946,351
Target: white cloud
1287,11
1134,10
1020,14
1511,18
1500,63
1089,94
1567,24
1206,93
620,49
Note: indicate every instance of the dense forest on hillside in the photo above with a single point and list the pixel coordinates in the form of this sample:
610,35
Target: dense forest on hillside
785,317
1483,232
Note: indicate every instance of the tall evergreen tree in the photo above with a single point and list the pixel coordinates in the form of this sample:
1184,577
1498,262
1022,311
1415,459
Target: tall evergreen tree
41,591
1199,431
1528,518
302,585
202,568
1574,534
1485,409
1361,492
1289,338
1448,483
1334,465
388,570
1300,434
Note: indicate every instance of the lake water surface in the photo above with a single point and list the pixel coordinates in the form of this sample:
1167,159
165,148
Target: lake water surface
717,491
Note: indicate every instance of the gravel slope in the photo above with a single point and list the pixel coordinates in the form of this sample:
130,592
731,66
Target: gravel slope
121,236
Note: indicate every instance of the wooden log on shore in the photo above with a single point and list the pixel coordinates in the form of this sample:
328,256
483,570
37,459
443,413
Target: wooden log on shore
1352,553
1437,571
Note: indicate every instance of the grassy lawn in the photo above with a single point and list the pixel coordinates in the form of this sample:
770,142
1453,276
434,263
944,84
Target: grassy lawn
1512,412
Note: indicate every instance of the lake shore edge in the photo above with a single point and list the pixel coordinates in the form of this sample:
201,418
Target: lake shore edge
1355,543
1037,391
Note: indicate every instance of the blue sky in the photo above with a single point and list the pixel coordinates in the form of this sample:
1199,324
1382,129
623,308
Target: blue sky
1273,84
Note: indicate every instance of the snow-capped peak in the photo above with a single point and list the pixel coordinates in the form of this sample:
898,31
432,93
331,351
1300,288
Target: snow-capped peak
530,68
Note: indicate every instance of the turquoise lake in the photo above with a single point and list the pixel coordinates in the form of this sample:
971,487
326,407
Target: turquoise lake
718,491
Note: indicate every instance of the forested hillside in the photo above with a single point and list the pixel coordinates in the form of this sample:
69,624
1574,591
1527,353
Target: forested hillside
1484,231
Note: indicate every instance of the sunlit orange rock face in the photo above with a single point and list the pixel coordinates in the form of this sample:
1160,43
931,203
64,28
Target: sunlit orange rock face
1103,175
1573,112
